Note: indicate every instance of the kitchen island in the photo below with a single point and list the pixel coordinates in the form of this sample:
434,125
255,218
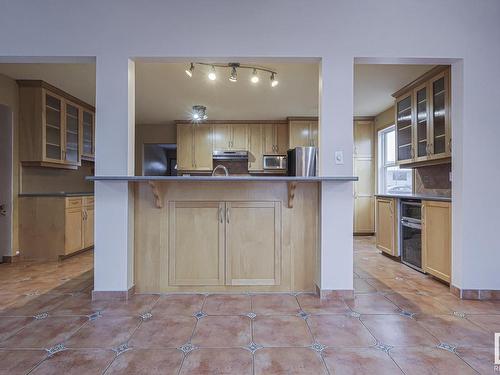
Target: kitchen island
226,234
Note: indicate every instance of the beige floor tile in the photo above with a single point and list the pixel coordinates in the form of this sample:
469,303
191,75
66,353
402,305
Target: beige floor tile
178,304
340,331
218,361
372,304
168,332
274,304
312,304
76,362
365,361
147,362
222,332
288,361
227,304
19,362
281,331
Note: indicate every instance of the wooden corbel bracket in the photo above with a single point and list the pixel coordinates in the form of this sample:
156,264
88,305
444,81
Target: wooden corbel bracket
291,193
156,194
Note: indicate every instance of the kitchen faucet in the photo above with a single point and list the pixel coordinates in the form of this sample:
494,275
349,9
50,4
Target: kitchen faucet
220,166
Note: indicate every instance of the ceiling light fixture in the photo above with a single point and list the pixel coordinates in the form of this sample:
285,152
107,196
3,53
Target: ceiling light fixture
274,80
212,75
190,71
255,77
233,74
199,113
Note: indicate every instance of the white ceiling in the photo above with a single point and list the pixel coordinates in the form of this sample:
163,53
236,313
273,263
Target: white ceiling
164,92
374,85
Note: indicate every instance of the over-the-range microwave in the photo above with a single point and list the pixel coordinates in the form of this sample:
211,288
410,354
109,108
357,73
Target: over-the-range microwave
274,162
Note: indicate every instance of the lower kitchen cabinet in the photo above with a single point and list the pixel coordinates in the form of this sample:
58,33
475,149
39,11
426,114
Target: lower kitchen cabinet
436,239
53,227
386,221
196,243
253,243
224,243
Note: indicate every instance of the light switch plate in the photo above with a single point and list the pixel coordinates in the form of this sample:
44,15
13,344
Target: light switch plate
339,157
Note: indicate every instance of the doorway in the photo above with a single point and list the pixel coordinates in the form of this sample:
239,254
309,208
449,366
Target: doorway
6,198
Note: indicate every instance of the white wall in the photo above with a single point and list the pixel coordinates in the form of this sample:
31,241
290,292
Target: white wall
335,30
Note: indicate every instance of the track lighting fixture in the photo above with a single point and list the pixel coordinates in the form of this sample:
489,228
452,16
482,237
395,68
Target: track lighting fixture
190,71
212,75
233,76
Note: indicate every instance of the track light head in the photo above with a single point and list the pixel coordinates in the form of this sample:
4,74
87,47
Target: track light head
190,71
233,77
274,80
255,77
212,75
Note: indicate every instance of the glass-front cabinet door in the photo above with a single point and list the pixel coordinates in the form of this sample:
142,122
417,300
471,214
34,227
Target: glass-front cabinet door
421,122
88,135
440,127
72,131
404,129
53,119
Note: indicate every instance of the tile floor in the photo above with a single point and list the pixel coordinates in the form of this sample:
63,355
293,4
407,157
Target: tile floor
400,322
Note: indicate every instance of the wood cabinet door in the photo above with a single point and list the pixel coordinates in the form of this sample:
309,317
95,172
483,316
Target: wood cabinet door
405,151
299,133
364,207
196,243
222,137
239,139
184,147
281,138
88,226
313,133
269,139
253,243
363,139
72,130
436,239
440,129
203,147
255,149
88,134
385,230
53,119
73,230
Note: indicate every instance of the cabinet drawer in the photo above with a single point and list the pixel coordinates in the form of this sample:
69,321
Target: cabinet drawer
73,202
88,201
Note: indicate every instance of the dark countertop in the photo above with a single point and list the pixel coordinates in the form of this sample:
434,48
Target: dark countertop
57,194
224,178
416,196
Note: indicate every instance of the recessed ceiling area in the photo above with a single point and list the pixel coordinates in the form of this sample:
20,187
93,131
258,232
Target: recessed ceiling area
165,93
375,83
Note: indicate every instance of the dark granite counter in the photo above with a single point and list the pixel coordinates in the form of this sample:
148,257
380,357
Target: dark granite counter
416,196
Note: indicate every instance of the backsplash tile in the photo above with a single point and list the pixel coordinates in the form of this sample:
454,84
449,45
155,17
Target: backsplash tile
433,180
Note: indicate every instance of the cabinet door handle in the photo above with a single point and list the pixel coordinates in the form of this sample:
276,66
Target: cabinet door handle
220,214
412,152
449,145
227,215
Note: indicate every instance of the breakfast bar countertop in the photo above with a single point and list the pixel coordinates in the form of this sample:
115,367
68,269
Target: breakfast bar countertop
224,178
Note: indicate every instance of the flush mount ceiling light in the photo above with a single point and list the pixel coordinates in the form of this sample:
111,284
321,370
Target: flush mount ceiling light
199,113
233,76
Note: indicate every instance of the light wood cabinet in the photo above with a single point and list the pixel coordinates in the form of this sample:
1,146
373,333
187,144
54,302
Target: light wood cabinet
194,147
364,200
55,227
386,230
196,243
224,243
51,125
230,137
423,127
253,243
436,239
255,147
88,135
303,132
275,139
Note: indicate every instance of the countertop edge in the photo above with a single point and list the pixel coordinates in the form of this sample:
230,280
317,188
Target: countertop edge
415,196
223,178
57,194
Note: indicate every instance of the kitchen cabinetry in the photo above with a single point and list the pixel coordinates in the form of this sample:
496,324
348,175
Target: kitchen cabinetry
436,239
255,147
275,139
303,132
215,243
364,201
194,147
51,125
386,220
52,227
230,137
88,135
423,129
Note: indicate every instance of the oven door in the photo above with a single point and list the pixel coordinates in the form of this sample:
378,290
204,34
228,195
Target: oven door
411,244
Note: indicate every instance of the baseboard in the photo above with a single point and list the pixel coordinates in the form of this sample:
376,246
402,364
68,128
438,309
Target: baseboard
11,258
123,295
335,294
361,234
63,257
475,294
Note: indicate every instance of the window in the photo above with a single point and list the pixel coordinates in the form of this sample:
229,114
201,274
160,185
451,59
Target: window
391,178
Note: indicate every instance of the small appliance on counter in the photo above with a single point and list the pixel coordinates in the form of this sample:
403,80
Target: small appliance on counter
236,162
302,161
274,162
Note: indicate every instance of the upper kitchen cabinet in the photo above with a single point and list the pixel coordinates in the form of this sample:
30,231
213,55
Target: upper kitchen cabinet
230,136
275,138
88,135
303,132
195,143
423,126
51,123
255,147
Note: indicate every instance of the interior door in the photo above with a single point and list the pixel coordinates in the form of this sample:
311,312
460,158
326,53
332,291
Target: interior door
6,195
196,243
253,243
